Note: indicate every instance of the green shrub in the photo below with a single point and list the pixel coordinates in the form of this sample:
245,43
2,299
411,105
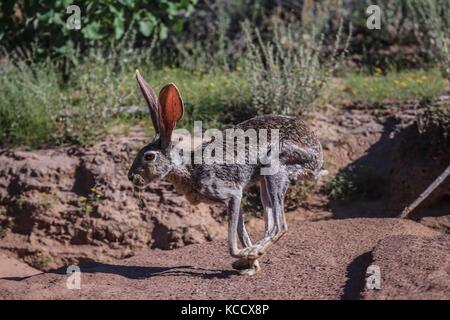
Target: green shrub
286,74
103,22
434,15
28,98
37,107
297,194
341,187
357,183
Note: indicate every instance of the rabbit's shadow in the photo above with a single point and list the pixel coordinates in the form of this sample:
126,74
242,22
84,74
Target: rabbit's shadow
142,272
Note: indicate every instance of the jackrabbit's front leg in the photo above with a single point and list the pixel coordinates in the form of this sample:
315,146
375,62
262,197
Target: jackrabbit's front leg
244,263
233,221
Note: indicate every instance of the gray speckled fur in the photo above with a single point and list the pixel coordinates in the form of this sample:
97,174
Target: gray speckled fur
300,157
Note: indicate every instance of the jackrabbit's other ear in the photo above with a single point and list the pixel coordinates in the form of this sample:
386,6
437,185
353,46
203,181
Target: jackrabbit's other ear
171,111
152,101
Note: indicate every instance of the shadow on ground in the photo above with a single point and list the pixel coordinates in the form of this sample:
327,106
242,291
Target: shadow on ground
365,178
140,272
392,173
356,274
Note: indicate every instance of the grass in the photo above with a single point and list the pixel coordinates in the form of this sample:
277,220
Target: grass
39,109
206,95
391,86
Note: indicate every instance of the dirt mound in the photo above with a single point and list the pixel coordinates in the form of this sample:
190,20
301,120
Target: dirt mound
412,268
359,145
381,159
315,260
74,204
422,155
11,267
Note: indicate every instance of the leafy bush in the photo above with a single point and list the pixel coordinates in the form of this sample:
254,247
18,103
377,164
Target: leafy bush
356,183
435,17
297,194
396,44
286,74
105,22
341,187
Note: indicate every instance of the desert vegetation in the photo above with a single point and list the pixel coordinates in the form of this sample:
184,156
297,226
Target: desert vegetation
72,118
74,88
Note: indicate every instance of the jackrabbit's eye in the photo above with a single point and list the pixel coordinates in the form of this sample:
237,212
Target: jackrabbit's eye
149,156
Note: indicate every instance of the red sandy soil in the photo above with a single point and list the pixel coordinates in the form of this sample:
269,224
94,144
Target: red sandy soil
315,260
11,267
325,254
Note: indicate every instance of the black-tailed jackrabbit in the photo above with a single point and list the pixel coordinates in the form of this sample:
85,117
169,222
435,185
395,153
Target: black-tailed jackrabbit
299,156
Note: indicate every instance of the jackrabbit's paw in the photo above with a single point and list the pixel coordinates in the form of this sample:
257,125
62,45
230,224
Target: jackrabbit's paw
255,269
252,253
240,264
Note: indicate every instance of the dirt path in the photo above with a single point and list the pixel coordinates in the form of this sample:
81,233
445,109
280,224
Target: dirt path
316,260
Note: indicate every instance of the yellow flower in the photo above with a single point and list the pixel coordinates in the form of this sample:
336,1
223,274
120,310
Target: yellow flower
238,68
82,199
424,77
378,71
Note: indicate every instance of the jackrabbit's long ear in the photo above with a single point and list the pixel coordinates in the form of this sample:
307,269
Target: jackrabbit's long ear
171,111
152,101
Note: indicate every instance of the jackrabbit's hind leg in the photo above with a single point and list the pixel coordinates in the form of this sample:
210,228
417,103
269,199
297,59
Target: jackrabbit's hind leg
276,189
242,232
272,194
